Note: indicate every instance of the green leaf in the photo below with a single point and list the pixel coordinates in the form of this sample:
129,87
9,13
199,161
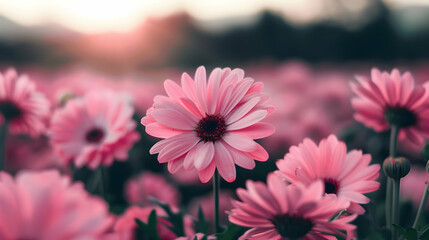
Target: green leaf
150,228
409,233
175,218
231,232
202,225
425,234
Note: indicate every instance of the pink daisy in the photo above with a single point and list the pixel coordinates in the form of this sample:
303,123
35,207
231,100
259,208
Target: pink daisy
392,99
139,189
46,205
94,130
278,211
210,124
347,175
25,109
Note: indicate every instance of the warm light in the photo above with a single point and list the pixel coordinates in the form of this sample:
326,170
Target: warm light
123,15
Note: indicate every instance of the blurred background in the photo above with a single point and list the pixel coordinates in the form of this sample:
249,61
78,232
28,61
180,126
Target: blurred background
305,51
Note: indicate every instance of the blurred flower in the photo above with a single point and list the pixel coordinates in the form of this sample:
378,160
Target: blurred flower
46,205
413,185
187,177
23,152
94,130
211,125
197,236
347,175
22,105
207,202
392,99
126,226
309,102
281,211
149,184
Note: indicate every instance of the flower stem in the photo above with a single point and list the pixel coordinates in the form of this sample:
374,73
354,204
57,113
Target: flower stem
216,186
389,203
422,205
394,131
3,134
96,183
395,206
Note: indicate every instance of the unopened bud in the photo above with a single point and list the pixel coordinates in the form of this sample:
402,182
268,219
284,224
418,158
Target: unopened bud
427,166
396,168
64,98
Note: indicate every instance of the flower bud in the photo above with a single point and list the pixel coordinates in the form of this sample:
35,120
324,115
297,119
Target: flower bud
427,166
63,99
397,167
425,152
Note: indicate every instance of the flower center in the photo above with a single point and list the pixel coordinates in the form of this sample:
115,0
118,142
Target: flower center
211,128
94,135
331,186
9,110
399,116
292,227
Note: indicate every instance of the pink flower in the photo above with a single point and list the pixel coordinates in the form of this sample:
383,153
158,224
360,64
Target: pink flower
392,99
46,205
281,211
21,105
413,185
94,130
210,125
126,226
347,175
149,184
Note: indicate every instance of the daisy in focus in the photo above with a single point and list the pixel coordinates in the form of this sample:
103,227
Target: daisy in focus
46,205
209,125
94,130
347,175
393,100
24,108
281,211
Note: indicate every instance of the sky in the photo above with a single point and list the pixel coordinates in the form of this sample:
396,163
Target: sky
95,16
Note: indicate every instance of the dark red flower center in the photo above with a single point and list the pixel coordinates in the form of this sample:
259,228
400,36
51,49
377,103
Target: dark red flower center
331,186
292,227
400,117
94,135
211,128
9,110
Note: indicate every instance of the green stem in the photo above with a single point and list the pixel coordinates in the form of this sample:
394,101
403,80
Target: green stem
96,183
394,131
389,203
103,181
422,205
3,134
395,206
216,186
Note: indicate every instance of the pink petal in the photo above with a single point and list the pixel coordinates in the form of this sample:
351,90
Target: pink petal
174,119
204,155
224,162
173,90
242,110
259,153
240,142
256,131
248,120
161,131
206,174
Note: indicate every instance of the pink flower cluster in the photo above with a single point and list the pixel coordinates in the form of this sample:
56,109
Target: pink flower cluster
208,124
